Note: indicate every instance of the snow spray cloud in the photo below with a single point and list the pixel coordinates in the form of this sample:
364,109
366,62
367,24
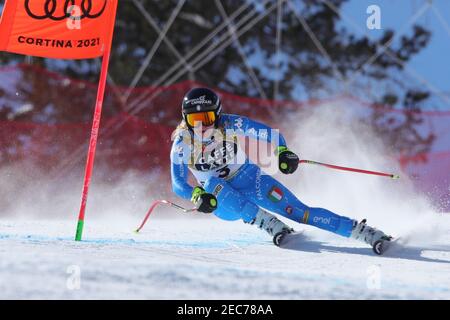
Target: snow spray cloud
333,133
27,193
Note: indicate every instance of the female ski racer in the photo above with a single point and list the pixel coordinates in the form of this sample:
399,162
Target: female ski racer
232,187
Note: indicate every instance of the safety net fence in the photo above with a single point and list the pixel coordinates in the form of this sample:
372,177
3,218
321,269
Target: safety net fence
45,121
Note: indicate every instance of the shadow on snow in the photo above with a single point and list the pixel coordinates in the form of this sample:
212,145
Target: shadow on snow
300,242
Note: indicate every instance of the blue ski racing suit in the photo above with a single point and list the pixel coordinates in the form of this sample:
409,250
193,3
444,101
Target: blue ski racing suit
222,168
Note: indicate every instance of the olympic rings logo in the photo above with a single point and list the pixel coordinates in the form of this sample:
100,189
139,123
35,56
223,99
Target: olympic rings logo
51,6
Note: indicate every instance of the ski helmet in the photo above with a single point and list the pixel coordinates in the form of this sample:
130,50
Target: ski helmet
202,105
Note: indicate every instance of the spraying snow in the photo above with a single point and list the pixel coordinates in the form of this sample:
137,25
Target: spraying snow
326,135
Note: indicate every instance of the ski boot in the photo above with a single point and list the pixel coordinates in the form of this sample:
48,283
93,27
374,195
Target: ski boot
272,225
374,237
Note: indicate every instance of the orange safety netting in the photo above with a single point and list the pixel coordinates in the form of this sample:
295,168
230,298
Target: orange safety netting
45,120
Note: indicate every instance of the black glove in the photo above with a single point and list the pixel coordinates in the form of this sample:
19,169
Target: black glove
287,160
204,201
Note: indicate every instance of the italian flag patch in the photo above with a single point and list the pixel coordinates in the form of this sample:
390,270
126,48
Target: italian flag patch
275,194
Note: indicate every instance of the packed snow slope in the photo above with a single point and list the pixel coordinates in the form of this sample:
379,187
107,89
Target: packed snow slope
200,258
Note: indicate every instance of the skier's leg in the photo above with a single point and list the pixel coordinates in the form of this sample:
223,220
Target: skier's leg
269,194
233,205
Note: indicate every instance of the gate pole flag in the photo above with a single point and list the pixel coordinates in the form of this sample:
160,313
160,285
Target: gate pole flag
64,29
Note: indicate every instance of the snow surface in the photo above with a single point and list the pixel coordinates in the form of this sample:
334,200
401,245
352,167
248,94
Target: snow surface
205,258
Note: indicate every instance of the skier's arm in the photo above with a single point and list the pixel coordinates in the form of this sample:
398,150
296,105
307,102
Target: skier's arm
179,157
179,171
257,130
287,160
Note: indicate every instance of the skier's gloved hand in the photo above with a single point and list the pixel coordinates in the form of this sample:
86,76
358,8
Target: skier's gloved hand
287,160
204,201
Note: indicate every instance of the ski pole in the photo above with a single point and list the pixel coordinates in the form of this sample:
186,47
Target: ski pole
332,166
156,203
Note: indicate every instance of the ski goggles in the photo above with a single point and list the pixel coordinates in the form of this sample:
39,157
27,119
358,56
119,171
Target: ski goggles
206,118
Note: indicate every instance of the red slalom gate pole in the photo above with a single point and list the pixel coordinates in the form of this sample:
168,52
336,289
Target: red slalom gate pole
156,203
332,166
95,129
93,143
